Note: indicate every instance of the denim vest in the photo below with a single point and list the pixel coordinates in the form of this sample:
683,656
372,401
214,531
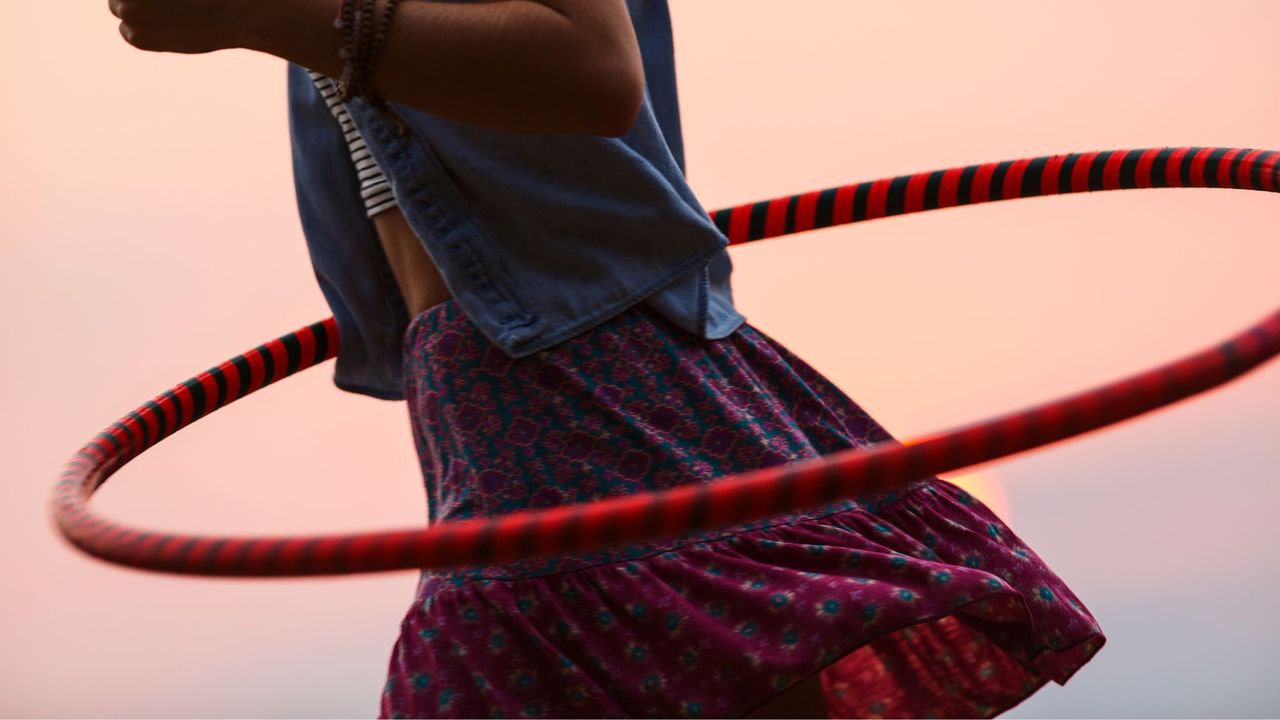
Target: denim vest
538,236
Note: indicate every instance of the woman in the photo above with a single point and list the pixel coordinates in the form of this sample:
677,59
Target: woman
510,246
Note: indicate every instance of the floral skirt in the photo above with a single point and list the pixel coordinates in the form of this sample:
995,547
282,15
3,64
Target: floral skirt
915,603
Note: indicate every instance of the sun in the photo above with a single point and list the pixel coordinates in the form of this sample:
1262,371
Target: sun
987,488
983,485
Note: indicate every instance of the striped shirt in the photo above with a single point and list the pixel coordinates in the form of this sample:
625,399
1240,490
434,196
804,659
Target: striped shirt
374,187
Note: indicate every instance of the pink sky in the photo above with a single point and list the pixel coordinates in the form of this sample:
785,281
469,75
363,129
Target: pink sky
150,231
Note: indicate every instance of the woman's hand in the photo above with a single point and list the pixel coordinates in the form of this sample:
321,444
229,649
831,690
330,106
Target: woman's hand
180,26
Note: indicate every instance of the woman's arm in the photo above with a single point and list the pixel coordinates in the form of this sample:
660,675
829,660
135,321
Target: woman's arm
515,65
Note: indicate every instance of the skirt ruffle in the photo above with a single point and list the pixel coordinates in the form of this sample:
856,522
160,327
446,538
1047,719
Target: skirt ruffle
928,607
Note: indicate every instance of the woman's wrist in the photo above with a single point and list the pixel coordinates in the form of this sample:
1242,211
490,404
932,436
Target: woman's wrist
300,31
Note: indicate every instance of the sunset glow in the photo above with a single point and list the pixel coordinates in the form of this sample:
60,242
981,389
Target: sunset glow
151,230
987,488
982,485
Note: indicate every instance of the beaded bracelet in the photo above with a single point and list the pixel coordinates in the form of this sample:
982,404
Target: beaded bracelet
382,32
343,22
355,47
358,53
364,32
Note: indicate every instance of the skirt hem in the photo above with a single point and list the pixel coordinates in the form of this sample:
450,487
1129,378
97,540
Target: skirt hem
931,607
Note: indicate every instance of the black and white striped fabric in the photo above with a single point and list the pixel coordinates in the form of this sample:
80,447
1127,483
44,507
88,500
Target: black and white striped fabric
374,187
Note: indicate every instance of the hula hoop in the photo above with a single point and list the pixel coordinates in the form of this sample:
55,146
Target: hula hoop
735,499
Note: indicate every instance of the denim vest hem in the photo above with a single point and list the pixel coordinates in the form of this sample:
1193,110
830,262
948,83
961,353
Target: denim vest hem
539,339
538,236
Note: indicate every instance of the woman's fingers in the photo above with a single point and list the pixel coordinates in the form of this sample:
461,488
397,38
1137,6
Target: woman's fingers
181,26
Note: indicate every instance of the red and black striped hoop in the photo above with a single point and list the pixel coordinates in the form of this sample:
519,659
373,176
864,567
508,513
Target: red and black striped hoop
732,500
